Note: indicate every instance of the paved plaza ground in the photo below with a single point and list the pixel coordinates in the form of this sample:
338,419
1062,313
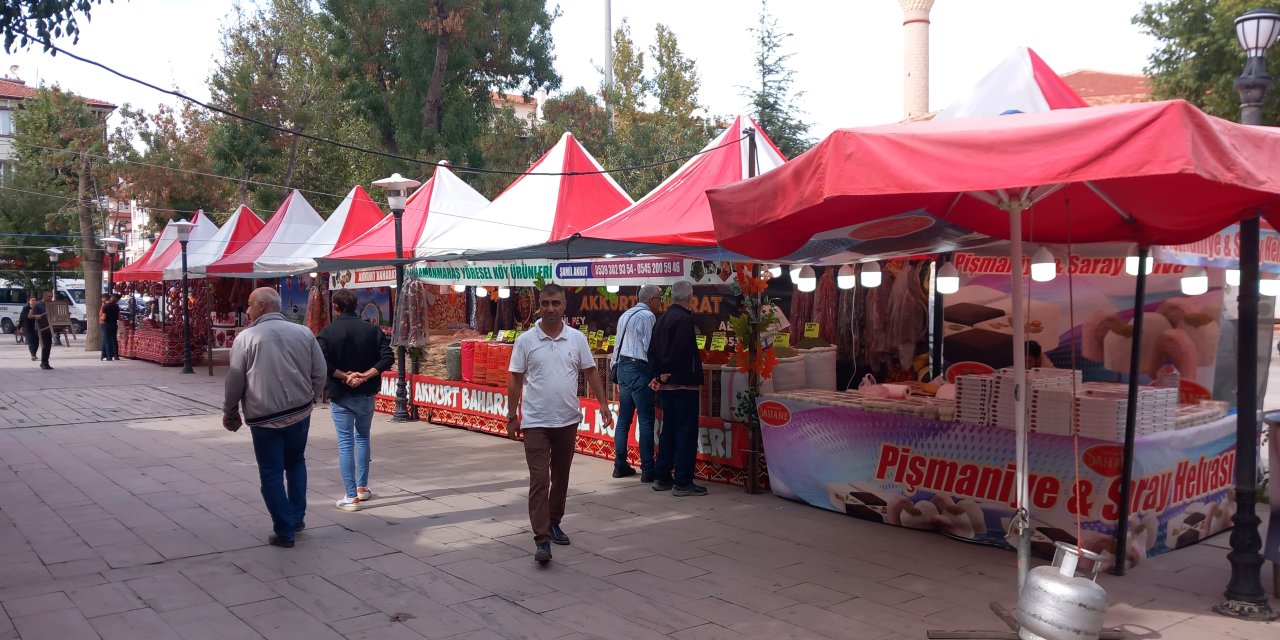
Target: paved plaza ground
126,511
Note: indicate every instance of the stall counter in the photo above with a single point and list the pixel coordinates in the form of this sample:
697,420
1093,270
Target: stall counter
957,479
159,344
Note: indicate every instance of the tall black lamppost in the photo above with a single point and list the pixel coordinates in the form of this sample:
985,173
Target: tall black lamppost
397,187
183,228
1245,598
112,245
53,252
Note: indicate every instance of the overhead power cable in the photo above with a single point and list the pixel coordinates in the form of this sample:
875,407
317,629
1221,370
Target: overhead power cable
359,149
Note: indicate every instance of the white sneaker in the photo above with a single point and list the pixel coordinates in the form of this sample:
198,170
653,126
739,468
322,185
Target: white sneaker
349,504
363,493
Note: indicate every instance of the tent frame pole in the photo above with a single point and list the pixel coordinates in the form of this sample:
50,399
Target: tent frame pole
1131,414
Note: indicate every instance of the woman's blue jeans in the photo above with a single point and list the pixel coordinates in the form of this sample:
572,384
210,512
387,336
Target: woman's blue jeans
352,417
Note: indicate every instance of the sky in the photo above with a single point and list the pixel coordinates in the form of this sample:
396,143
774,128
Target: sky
847,54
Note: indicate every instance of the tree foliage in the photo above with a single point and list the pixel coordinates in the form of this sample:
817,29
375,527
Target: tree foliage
773,100
1199,57
46,20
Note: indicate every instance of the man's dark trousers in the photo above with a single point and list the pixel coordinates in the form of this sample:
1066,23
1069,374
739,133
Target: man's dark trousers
280,456
678,442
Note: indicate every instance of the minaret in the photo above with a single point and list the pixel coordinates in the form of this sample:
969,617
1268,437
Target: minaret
915,23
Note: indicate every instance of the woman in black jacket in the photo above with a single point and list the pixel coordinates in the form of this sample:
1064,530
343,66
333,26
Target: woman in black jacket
27,325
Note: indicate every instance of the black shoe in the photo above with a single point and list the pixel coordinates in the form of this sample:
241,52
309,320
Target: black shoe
46,367
276,541
646,477
558,536
690,489
623,472
661,485
543,555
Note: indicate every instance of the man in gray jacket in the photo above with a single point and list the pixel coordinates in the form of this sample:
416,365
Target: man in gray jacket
277,373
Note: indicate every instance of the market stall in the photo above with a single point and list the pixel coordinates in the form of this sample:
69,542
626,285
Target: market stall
1016,183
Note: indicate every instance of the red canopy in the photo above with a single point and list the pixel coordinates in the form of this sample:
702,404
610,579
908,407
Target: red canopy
291,226
1155,173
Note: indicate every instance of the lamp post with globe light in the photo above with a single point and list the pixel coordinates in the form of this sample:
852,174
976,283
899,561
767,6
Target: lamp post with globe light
112,245
1256,30
397,187
183,229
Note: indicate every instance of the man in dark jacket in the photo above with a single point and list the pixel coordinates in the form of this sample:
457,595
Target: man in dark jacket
677,371
111,327
356,353
27,325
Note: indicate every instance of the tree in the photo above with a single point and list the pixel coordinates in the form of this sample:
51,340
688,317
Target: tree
23,20
421,71
57,141
1199,57
772,100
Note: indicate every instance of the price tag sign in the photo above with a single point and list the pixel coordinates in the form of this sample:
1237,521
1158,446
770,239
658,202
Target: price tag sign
782,340
593,340
489,337
810,329
702,342
613,341
719,341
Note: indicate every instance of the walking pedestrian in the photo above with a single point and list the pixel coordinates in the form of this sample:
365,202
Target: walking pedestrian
40,313
630,362
356,353
27,325
542,403
677,371
277,373
110,325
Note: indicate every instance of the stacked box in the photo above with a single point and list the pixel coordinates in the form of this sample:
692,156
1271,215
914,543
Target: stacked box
973,399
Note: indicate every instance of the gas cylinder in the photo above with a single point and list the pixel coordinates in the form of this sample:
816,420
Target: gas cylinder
1056,604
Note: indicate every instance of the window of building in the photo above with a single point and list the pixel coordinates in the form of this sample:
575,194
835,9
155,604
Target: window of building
6,122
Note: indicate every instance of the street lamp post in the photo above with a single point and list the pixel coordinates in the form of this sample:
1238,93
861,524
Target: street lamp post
53,252
183,228
1245,597
397,187
112,244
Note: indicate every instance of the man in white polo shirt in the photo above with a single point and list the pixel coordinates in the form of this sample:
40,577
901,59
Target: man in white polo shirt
545,362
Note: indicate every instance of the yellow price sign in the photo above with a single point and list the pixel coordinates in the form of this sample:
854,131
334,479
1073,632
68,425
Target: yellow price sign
613,340
702,342
782,340
489,337
810,329
719,341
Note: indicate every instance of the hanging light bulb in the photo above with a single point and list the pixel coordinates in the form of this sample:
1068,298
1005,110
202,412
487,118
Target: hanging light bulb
846,278
459,288
807,280
1269,287
1195,281
482,292
1043,268
504,292
1131,261
775,271
870,277
794,271
613,288
1233,277
314,274
948,279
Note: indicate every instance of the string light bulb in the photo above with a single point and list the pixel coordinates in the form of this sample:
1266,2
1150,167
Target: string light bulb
1195,281
504,292
846,277
948,279
870,276
807,280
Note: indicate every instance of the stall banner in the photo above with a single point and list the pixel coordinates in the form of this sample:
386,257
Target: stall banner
1086,321
591,309
1222,250
575,273
719,441
362,278
293,298
958,479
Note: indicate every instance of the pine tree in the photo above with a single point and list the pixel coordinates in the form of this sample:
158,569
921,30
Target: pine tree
772,100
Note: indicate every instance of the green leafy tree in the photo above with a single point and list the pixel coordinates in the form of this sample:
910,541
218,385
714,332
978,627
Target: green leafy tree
773,100
1199,57
421,71
46,20
57,141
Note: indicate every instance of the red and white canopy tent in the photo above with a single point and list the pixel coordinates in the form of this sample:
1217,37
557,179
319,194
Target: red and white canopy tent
166,253
1153,173
240,228
357,214
675,217
291,225
1021,82
435,207
563,193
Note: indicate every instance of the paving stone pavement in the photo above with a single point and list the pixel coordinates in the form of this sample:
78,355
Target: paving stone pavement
126,511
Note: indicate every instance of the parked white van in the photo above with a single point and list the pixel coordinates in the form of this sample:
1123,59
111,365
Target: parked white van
13,296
